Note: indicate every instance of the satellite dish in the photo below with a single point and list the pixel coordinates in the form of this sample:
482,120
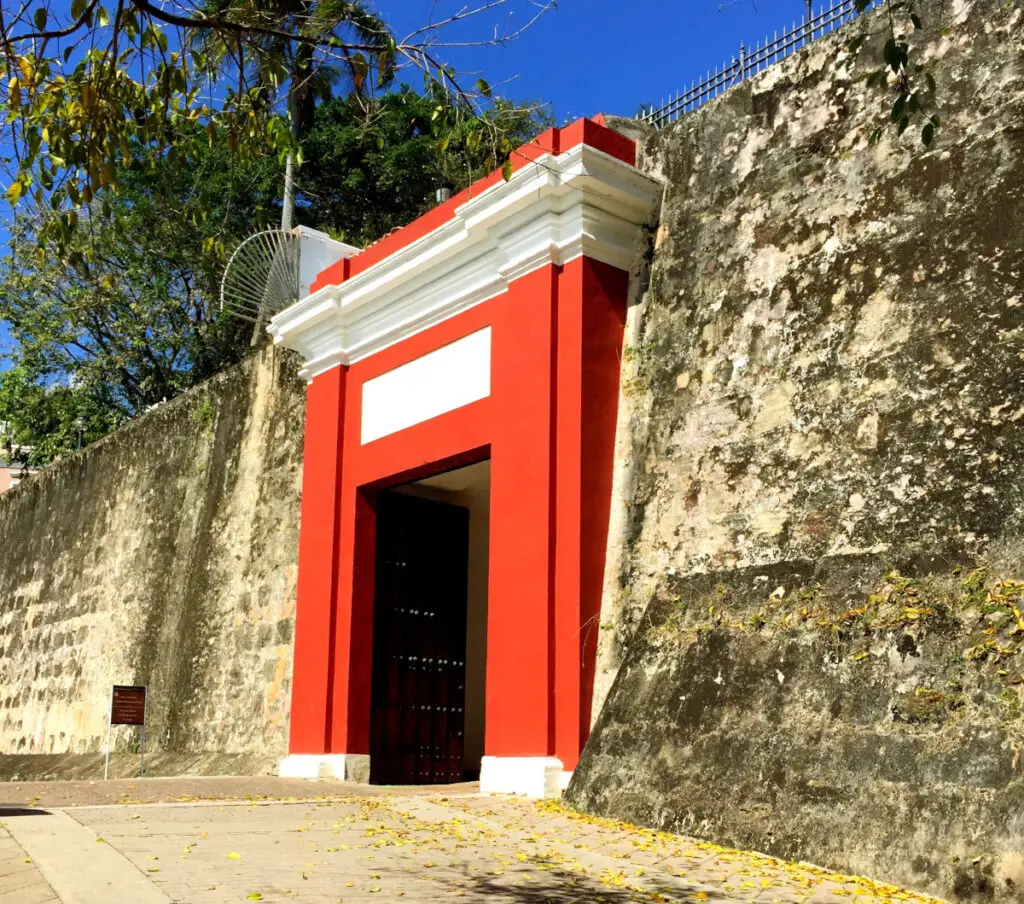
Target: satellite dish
262,276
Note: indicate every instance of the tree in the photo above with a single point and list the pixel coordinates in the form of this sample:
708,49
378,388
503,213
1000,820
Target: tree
127,313
131,304
87,87
277,66
39,422
372,168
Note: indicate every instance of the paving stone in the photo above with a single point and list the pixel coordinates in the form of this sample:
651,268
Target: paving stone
329,842
20,879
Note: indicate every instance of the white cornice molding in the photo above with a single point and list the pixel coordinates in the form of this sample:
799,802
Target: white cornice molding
582,202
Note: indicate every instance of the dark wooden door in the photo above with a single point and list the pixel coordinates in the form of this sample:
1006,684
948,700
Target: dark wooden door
417,729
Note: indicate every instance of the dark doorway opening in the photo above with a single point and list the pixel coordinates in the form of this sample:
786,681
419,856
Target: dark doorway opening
418,720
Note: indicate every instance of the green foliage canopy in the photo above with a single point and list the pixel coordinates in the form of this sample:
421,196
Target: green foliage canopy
125,313
87,86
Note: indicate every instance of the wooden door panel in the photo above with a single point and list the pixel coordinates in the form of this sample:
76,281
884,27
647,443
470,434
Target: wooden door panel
419,646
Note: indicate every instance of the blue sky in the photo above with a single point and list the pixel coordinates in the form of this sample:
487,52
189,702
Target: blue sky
606,56
597,56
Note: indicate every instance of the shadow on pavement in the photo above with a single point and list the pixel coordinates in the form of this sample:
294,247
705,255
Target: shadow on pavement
560,887
6,811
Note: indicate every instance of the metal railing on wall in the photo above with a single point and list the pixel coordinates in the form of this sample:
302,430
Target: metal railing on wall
751,61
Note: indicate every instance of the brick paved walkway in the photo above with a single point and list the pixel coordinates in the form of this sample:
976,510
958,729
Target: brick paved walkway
330,842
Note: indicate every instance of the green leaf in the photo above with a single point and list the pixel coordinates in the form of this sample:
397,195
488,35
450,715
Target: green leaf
78,8
889,54
40,18
902,127
360,67
506,170
14,192
102,17
483,87
928,134
897,108
916,20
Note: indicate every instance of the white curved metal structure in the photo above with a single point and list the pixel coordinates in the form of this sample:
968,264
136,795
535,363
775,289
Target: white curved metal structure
262,276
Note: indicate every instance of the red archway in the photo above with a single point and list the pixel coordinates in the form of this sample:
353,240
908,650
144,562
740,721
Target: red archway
489,328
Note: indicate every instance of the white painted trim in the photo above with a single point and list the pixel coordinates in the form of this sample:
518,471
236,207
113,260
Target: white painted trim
532,776
349,767
428,386
550,212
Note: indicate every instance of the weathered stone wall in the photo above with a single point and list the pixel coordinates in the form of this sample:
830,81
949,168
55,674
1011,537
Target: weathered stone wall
826,383
164,555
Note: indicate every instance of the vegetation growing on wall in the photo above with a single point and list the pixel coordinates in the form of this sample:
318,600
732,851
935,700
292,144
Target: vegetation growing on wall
983,608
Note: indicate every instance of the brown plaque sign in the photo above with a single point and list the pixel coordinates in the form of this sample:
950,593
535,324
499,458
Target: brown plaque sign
128,705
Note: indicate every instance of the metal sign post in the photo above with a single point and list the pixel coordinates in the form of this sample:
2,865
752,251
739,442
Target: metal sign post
128,707
110,723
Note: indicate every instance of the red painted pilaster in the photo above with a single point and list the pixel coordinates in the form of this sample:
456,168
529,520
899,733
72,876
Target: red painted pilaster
520,586
353,628
318,550
605,293
568,500
591,321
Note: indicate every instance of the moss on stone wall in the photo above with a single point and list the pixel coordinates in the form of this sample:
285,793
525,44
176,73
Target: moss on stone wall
844,712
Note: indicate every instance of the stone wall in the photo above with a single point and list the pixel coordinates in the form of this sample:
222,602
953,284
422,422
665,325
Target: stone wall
824,386
164,555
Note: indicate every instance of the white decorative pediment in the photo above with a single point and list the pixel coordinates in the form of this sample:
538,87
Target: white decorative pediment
582,202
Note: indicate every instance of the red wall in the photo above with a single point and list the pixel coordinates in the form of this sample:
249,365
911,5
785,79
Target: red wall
548,427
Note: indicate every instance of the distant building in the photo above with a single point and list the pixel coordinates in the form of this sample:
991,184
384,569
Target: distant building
10,474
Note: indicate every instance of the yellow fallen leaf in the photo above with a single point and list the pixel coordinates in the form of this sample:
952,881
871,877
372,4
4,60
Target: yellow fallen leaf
234,855
254,896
